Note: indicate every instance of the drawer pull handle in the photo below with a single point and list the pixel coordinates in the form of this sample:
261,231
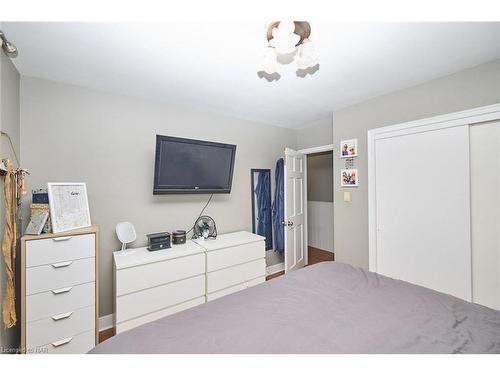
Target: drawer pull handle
62,238
62,290
62,264
62,342
62,316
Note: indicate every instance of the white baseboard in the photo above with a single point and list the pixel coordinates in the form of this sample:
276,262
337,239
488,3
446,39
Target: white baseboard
275,268
106,322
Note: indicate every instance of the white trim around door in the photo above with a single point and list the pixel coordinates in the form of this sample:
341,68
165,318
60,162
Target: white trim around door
315,150
309,151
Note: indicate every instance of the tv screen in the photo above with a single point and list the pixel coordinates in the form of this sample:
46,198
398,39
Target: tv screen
192,166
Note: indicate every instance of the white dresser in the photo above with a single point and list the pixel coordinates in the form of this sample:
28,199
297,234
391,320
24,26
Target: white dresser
235,261
149,285
59,292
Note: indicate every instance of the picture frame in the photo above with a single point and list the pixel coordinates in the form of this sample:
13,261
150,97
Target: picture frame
349,148
349,178
68,205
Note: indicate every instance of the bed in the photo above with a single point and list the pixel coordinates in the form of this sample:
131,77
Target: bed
329,307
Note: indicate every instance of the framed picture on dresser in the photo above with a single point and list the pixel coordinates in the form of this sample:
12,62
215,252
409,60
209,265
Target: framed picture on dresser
69,206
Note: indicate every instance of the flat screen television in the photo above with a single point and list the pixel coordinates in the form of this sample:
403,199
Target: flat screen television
192,166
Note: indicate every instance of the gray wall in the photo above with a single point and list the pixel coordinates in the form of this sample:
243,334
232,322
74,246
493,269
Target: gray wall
69,133
9,123
317,133
320,177
467,89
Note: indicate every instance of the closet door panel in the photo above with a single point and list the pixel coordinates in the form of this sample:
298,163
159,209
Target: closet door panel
423,209
485,213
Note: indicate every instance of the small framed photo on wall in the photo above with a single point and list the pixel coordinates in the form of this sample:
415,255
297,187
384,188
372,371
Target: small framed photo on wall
349,178
68,205
349,148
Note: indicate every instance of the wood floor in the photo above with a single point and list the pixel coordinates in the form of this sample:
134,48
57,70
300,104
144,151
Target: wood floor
314,256
274,275
106,334
318,255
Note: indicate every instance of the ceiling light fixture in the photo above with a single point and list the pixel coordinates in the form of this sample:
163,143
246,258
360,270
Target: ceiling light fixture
288,42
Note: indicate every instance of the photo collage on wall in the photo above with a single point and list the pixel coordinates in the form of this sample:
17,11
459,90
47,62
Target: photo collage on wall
348,151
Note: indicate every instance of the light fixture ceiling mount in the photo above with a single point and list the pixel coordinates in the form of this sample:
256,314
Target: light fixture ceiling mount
302,29
288,41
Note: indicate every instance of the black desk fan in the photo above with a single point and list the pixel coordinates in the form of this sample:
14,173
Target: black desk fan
205,228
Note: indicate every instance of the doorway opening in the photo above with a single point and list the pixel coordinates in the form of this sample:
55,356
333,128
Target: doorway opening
319,181
308,209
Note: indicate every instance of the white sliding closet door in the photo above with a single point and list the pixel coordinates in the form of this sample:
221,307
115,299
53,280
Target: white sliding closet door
423,209
485,213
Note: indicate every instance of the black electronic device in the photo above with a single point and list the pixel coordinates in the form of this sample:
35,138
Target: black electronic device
158,241
192,166
178,237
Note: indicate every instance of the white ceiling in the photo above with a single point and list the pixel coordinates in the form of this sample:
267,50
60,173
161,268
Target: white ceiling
213,65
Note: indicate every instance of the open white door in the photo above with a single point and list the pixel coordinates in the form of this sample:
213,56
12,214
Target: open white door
295,246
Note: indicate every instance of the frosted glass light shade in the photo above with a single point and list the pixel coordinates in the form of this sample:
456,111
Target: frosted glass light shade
306,56
270,63
284,39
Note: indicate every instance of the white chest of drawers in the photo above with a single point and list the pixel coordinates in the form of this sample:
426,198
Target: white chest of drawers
59,292
235,261
149,285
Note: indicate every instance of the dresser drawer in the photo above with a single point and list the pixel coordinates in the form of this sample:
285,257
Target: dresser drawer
234,289
59,249
143,319
78,344
225,292
149,300
231,256
58,301
231,276
146,276
59,275
58,327
257,281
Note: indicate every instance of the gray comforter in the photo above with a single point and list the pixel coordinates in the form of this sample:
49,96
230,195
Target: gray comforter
326,308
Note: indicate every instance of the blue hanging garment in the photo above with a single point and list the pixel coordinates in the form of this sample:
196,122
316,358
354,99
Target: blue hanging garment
278,207
264,224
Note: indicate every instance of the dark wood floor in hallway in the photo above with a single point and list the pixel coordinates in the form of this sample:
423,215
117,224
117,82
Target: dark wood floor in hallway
314,256
317,255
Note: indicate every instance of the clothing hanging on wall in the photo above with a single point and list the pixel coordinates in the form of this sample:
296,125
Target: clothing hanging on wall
264,221
9,244
278,207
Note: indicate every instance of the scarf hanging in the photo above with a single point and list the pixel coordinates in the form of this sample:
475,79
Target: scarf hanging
9,245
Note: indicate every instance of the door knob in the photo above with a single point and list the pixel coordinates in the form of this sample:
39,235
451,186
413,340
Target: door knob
287,223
